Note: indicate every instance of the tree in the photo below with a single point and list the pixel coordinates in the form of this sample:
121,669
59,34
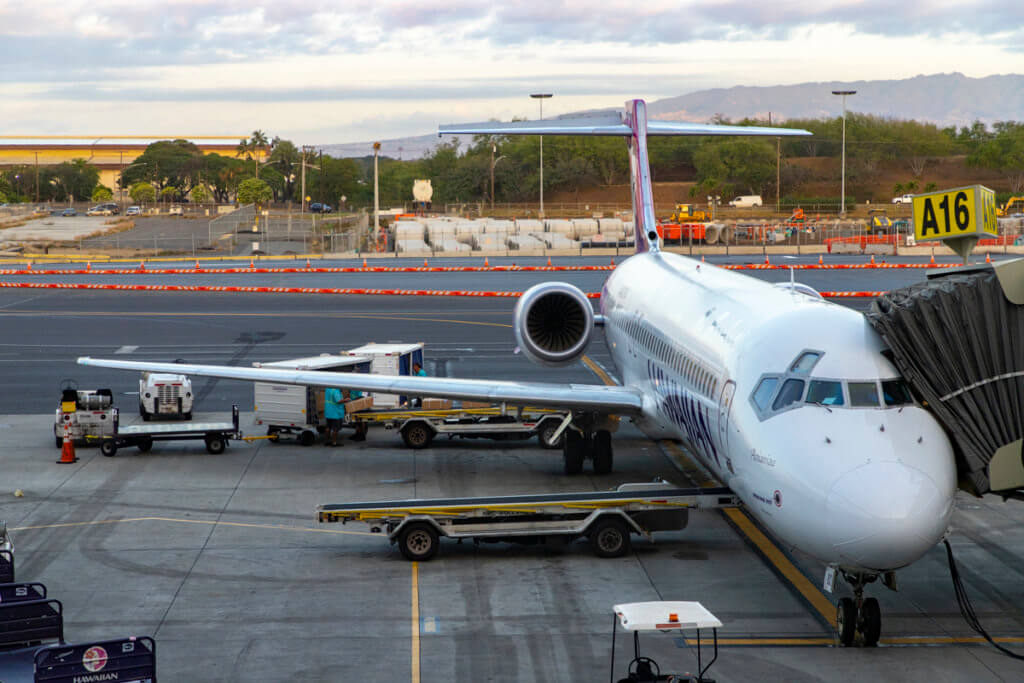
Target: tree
732,165
254,191
285,157
1004,152
75,178
199,194
168,194
102,193
166,163
142,192
258,143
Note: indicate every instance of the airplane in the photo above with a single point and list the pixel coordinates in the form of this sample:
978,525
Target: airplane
783,396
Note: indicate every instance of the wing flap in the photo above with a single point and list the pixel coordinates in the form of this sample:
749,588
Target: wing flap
592,397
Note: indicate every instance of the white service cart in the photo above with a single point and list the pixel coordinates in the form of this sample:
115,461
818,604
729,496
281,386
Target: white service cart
667,617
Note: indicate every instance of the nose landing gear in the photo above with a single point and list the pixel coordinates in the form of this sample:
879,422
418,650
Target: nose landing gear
858,616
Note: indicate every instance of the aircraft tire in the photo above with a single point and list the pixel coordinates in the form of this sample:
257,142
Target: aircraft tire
846,621
602,449
573,448
871,622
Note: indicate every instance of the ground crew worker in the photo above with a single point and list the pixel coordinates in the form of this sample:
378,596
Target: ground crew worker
417,371
334,411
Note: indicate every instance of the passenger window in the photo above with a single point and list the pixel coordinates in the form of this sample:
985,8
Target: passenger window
805,362
792,391
863,394
896,392
825,392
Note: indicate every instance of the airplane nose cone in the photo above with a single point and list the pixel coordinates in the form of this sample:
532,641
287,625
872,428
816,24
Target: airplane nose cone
886,515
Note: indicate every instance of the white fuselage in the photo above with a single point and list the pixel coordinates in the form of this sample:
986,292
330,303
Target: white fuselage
863,486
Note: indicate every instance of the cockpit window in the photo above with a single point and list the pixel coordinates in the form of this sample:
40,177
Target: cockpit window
792,391
864,394
826,392
896,392
764,391
804,363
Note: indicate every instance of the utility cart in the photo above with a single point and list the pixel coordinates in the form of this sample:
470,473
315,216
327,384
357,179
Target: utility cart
605,518
672,617
216,435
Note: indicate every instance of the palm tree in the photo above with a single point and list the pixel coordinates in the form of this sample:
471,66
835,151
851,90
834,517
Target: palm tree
258,142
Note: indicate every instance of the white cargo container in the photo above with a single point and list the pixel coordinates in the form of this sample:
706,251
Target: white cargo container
584,227
389,359
293,409
559,225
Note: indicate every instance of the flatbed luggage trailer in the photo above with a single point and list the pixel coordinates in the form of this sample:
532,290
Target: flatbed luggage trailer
418,428
605,518
215,434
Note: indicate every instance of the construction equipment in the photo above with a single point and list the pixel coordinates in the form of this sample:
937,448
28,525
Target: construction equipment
1013,206
878,223
687,213
606,518
797,218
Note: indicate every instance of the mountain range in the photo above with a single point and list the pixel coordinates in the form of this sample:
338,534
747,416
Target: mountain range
945,99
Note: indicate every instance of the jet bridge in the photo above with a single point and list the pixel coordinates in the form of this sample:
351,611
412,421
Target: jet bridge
958,340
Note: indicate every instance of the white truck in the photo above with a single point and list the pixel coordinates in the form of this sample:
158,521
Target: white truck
293,409
165,395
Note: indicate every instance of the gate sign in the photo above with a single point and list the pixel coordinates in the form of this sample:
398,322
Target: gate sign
963,212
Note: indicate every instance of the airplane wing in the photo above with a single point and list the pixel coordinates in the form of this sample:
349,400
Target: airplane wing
591,397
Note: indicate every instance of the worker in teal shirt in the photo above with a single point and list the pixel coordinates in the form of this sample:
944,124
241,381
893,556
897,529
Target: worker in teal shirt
418,371
334,411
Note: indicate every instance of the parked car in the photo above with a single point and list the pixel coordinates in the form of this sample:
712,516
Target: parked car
317,207
175,210
100,210
113,208
70,211
133,211
903,199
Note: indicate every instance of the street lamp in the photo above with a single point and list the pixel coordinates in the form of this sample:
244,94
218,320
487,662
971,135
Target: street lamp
494,148
843,94
376,195
540,97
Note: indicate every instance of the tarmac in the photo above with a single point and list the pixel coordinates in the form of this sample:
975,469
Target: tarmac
218,558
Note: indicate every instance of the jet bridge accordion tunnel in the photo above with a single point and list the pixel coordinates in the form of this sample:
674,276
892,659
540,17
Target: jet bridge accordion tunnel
958,339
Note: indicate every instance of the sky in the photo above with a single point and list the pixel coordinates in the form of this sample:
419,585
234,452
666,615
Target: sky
356,70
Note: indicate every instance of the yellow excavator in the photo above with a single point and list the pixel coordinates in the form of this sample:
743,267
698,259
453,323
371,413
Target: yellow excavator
1012,206
686,213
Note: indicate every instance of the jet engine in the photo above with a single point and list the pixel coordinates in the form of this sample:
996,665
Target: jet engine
553,322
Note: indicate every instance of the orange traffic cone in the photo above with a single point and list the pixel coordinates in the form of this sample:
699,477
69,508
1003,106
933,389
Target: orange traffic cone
872,259
198,267
425,263
88,266
364,263
251,264
932,262
67,449
766,261
28,265
486,263
142,265
821,261
307,263
702,258
988,257
549,261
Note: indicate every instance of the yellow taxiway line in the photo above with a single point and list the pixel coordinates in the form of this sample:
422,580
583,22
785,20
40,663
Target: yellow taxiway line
415,622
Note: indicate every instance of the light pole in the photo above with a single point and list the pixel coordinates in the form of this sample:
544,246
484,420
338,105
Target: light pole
376,194
494,148
540,97
843,94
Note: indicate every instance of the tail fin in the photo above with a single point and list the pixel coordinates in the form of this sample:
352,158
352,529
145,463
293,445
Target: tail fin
632,125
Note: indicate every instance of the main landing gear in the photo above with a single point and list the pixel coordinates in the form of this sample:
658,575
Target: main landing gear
859,619
579,445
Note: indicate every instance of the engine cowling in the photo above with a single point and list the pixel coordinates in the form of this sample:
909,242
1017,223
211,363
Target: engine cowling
553,322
